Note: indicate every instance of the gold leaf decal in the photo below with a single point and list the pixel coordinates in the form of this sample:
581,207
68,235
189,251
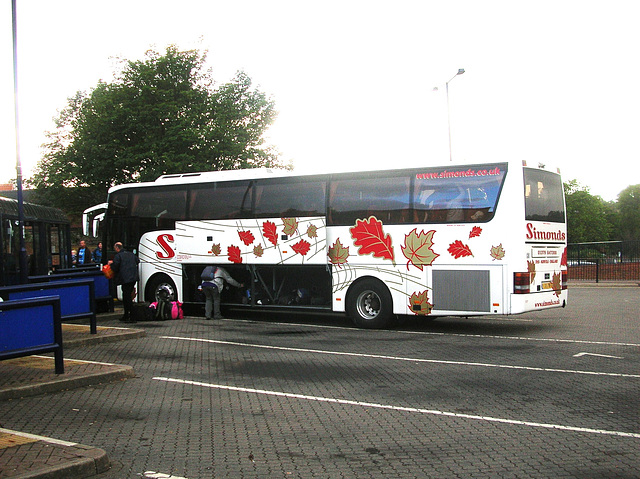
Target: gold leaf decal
290,226
312,231
531,267
556,283
419,303
417,248
497,252
216,250
338,254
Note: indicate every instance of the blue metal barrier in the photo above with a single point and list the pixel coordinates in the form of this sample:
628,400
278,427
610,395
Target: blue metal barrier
102,284
77,297
30,327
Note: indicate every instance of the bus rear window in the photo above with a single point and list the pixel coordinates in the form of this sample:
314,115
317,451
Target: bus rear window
543,196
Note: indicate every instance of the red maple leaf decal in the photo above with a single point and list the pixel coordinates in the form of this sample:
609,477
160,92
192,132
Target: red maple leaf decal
457,249
234,254
370,239
563,260
246,237
475,231
270,232
301,247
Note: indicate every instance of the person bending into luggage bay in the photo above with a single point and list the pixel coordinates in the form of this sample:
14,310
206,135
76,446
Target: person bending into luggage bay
125,267
213,278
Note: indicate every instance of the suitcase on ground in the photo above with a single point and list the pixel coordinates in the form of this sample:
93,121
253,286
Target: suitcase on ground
141,312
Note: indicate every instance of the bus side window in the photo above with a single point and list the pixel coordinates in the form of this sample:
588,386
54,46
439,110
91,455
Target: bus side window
221,201
385,198
285,198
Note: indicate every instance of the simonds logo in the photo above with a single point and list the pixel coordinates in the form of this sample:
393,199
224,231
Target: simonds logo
536,234
163,241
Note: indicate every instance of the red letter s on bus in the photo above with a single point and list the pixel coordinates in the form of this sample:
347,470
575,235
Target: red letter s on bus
530,231
167,251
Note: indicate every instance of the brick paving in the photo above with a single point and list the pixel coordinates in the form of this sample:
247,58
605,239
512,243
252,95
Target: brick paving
27,456
198,432
33,375
22,457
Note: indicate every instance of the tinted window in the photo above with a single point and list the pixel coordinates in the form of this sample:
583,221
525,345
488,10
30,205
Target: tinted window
158,208
468,195
220,201
543,196
387,198
118,203
283,198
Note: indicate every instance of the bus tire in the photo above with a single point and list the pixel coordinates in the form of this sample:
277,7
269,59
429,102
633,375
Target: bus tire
157,284
369,304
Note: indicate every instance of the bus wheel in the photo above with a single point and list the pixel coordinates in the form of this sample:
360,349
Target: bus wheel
369,304
161,287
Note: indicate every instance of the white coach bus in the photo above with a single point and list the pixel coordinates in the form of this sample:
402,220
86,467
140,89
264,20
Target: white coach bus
463,240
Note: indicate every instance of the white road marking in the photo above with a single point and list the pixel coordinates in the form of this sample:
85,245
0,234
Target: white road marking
594,354
76,360
404,409
39,438
522,338
399,358
474,336
159,475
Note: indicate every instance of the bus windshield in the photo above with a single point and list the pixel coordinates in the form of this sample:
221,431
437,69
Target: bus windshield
543,195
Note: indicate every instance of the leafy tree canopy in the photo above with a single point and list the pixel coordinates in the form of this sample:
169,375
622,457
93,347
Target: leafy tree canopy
589,218
159,115
629,208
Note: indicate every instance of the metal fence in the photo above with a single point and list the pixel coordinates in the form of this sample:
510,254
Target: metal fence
606,261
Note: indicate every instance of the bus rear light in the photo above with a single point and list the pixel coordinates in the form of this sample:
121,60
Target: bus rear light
564,280
522,283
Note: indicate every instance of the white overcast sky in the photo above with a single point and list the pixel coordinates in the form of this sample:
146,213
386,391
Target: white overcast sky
551,81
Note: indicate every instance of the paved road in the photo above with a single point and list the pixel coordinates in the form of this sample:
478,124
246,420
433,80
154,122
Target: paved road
552,394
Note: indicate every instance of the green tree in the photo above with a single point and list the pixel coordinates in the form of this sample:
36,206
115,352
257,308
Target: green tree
589,218
160,115
629,209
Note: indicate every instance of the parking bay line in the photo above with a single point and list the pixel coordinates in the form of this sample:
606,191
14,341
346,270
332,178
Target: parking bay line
399,358
402,408
462,335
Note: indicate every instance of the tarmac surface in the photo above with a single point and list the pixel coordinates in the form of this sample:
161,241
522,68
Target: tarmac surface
25,455
28,456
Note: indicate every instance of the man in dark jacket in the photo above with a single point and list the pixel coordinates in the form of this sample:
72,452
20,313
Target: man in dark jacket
84,254
125,267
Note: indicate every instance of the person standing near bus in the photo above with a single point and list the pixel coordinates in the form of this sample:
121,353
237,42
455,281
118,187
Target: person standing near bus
84,254
97,254
125,267
213,278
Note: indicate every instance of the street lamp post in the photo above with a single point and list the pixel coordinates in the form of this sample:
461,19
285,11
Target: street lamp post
460,72
22,258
